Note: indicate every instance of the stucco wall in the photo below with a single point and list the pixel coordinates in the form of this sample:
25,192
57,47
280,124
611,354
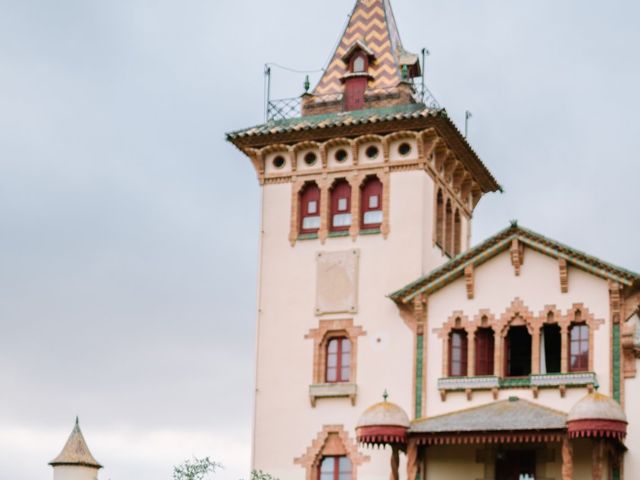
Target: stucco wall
286,424
74,473
632,401
496,286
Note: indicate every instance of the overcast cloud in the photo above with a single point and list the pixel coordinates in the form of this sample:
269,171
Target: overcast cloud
128,227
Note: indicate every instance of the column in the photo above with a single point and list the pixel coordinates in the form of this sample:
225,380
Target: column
535,351
564,349
395,463
567,459
412,459
471,348
597,465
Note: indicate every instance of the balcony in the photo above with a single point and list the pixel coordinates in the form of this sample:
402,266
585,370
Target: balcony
561,381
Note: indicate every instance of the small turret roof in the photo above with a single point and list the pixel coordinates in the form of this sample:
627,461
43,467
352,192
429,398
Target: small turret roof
371,24
75,451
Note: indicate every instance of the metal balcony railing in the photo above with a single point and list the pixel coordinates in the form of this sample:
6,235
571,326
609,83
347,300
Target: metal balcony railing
287,108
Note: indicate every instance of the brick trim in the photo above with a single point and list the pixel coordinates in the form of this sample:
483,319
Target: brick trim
328,329
335,440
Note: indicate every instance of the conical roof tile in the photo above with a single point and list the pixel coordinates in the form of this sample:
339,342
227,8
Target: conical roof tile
75,451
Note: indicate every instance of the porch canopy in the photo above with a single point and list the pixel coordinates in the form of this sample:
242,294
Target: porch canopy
507,421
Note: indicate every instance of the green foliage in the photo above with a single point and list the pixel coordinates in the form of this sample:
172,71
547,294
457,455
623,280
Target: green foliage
196,469
260,475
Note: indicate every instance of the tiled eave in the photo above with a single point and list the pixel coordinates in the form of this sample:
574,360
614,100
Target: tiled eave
500,242
379,122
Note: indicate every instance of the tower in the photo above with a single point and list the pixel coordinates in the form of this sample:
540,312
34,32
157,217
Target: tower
364,189
75,461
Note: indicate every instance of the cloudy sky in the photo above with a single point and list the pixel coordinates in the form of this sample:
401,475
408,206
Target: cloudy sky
128,227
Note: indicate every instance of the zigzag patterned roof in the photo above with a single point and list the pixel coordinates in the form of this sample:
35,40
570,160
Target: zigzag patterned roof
372,23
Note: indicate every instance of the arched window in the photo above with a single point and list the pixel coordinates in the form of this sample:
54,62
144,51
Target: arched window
448,234
550,348
340,206
335,468
579,347
457,234
517,347
371,203
338,360
485,345
458,353
309,208
359,63
440,220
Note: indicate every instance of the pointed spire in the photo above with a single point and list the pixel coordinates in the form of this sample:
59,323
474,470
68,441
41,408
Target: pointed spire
75,451
373,26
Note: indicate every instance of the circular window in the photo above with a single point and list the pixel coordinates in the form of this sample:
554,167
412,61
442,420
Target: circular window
404,149
372,151
310,158
341,155
279,161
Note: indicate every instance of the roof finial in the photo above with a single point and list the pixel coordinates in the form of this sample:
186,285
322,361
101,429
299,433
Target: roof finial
514,223
385,395
77,421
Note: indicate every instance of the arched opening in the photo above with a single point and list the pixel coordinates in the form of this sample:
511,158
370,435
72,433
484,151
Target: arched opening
579,347
458,353
517,348
371,203
359,63
338,360
440,220
340,206
335,467
457,234
309,208
448,234
550,348
485,349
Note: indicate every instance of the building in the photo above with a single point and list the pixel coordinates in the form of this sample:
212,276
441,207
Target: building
514,359
75,461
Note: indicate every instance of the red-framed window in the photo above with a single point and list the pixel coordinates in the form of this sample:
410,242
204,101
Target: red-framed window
338,360
371,203
458,353
359,63
579,348
335,468
309,208
485,348
517,352
340,206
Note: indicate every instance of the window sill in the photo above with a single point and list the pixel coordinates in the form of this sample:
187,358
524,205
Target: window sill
332,390
561,381
308,236
370,231
342,233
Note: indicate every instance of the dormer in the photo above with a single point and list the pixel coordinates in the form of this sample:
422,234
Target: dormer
357,60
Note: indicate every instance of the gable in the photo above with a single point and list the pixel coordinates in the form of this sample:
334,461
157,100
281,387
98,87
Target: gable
515,241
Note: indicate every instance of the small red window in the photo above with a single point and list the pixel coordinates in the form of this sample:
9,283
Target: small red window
371,203
579,348
335,468
458,353
340,206
485,346
338,360
310,209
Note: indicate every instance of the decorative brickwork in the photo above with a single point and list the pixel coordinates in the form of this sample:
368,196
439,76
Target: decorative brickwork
564,275
332,440
517,255
469,280
327,330
518,314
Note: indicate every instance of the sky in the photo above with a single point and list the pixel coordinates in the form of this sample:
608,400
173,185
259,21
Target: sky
128,226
